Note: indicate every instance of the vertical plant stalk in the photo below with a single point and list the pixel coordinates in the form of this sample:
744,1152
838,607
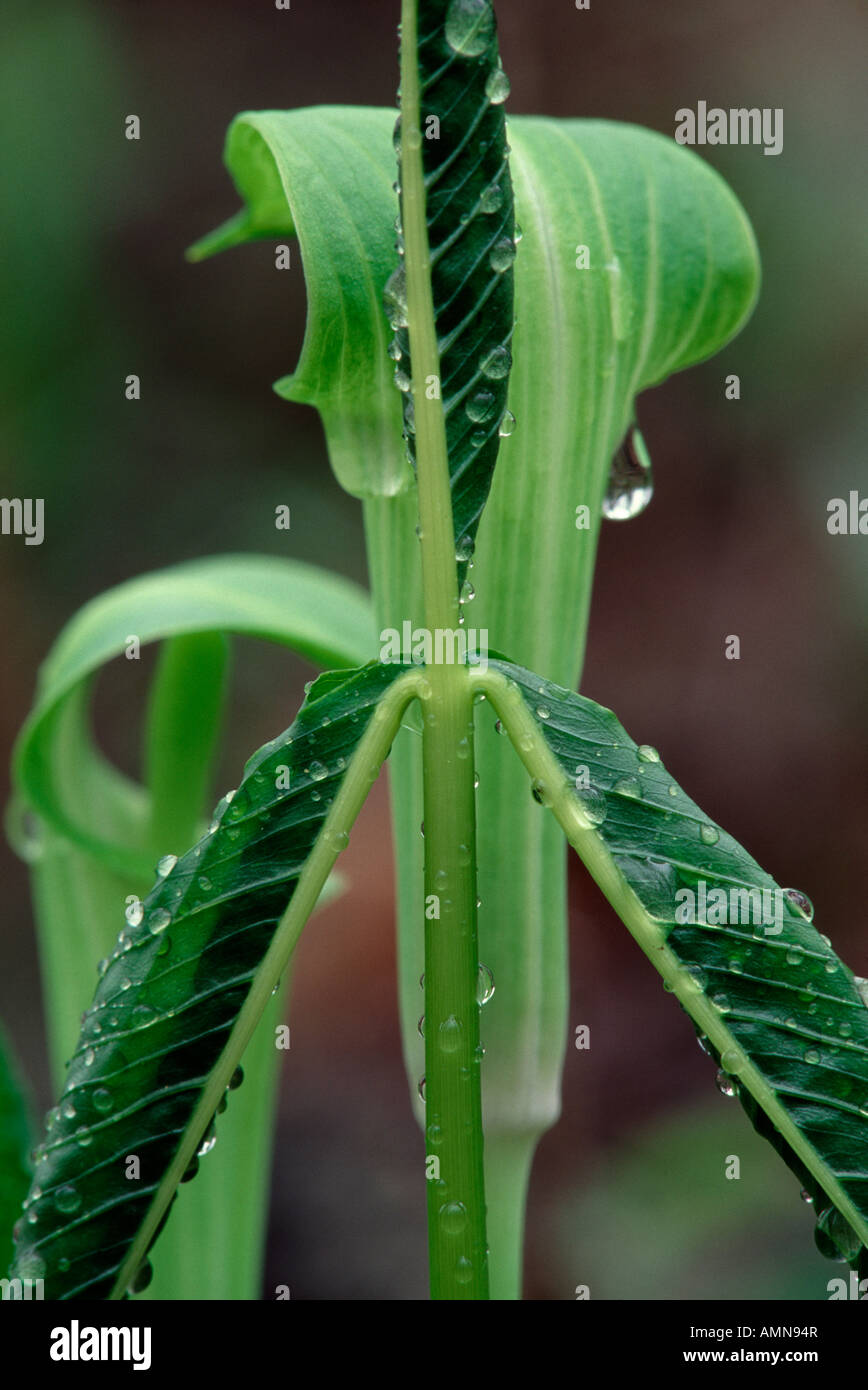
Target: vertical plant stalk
453,1091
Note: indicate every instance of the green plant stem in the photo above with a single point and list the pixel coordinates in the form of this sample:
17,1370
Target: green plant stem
453,1090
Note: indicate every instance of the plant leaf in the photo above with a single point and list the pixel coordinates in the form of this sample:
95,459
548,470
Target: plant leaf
192,973
15,1142
57,769
471,225
782,1015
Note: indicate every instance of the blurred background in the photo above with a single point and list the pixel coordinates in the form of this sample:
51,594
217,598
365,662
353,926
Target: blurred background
627,1194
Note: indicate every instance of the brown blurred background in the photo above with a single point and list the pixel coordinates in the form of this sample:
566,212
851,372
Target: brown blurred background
627,1195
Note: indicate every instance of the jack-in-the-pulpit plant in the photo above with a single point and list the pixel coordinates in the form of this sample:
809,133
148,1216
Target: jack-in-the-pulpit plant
474,381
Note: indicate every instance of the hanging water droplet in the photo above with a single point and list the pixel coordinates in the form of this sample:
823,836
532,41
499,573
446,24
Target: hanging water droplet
395,299
135,912
469,27
158,921
475,780
208,1141
725,1084
496,364
502,255
463,549
835,1238
164,868
102,967
704,1044
709,834
801,903
631,486
507,425
646,754
394,350
401,380
484,985
806,1196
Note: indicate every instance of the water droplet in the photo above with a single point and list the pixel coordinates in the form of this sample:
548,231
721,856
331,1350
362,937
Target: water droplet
704,1044
721,1001
801,903
540,793
421,1026
709,834
468,593
497,87
401,380
492,199
158,921
89,1057
794,955
831,967
422,1090
496,364
463,549
83,1136
434,1135
318,771
103,1101
594,804
208,1141
725,1084
453,1218
507,425
449,1034
502,255
630,487
812,1056
469,27
673,790
484,985
67,1110
395,298
164,868
646,754
481,406
142,1277
806,1196
498,726
463,1270
628,786
135,912
67,1199
395,350
835,1238
102,967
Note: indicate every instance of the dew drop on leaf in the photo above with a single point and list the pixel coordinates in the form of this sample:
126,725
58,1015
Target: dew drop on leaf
497,87
502,255
800,902
469,27
484,985
507,425
164,868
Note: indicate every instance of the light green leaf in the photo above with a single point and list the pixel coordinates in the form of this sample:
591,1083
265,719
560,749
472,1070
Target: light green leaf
783,1017
58,771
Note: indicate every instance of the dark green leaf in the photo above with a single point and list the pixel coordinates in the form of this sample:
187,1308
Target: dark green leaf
784,1018
14,1148
192,972
471,227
